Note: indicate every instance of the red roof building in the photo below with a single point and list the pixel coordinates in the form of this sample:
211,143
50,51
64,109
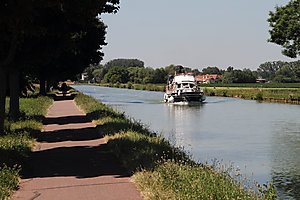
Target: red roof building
208,78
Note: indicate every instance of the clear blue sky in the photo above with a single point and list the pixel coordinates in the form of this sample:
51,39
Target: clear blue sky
193,33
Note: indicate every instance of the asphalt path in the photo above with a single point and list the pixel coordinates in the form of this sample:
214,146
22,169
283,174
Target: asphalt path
71,161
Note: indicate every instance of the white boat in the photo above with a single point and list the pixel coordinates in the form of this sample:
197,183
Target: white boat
183,88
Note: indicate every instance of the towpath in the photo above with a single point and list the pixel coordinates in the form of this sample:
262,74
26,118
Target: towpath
71,161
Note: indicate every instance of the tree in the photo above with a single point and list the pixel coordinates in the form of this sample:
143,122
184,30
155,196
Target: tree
268,70
116,74
146,74
133,73
170,69
125,63
296,68
211,70
285,26
229,69
27,26
160,76
196,72
99,73
239,76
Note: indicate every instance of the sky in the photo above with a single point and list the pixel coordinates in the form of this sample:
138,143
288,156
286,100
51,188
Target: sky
193,33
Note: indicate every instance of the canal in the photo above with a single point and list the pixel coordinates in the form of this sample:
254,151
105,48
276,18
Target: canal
261,139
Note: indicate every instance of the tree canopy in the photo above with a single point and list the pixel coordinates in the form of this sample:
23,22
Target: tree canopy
124,63
49,39
285,28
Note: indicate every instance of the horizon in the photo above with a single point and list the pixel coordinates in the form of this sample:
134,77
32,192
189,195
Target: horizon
197,35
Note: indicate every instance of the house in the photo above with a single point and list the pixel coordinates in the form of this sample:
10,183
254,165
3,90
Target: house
260,80
208,78
84,76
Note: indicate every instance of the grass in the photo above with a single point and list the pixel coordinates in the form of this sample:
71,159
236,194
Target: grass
286,95
107,120
160,170
19,140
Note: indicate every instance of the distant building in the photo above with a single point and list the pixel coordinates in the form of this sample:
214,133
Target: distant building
208,78
83,76
260,80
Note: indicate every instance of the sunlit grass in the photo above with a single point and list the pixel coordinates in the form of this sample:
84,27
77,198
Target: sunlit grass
19,140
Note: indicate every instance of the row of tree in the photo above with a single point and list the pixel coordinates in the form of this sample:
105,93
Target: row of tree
48,41
133,70
284,31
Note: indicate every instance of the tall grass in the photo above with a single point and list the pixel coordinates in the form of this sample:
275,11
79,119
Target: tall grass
160,170
19,140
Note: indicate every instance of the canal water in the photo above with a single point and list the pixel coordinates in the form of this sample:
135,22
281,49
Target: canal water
261,139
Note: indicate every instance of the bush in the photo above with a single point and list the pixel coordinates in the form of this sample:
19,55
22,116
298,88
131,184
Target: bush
129,85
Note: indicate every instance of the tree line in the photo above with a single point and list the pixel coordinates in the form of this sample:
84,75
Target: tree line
46,42
133,70
284,31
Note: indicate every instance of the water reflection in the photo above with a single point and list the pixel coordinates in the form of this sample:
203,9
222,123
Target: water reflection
181,121
285,158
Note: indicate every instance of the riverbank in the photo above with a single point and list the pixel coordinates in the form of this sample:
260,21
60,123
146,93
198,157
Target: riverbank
279,95
160,170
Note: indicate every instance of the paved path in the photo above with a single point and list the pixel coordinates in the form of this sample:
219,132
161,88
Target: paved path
72,162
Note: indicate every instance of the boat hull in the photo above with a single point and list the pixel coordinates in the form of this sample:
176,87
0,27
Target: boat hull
184,97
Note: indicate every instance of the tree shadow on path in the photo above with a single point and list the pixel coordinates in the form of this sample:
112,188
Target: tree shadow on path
66,156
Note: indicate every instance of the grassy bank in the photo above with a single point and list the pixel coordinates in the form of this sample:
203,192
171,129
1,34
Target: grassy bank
160,170
19,140
284,95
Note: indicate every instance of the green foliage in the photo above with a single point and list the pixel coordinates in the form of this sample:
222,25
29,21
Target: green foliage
268,191
259,96
239,76
116,74
129,85
268,70
284,23
9,180
124,63
212,70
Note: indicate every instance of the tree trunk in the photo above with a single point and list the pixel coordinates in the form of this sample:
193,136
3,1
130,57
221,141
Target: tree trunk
42,86
14,85
2,98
